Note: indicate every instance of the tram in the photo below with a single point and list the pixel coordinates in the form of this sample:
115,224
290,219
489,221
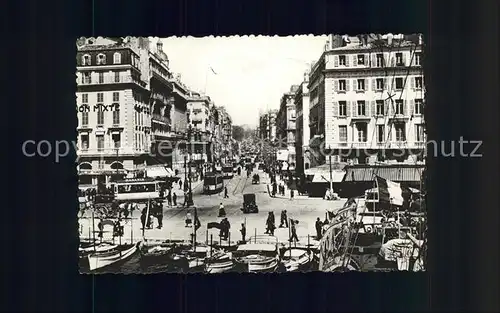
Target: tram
213,183
140,189
227,171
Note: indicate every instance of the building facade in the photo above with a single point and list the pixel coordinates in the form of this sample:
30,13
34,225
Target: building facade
114,121
302,125
267,125
199,116
369,102
286,127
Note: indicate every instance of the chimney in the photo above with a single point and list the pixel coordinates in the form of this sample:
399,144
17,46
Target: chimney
159,46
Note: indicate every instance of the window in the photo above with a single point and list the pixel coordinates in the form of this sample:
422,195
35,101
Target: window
86,78
418,58
85,98
418,82
100,118
342,60
361,59
361,84
399,83
101,78
116,117
116,96
380,133
399,59
419,106
100,142
400,132
86,60
116,140
362,131
379,84
84,138
117,58
85,118
380,60
399,107
361,108
343,133
117,77
420,132
342,108
100,97
380,107
101,59
342,85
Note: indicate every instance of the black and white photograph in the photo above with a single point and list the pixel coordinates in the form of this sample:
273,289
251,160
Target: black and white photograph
253,154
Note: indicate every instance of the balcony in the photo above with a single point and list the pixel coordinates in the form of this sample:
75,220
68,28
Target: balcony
157,118
360,118
398,117
107,80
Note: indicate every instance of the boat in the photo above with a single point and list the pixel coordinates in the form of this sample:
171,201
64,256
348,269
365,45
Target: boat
156,252
86,248
297,259
219,262
188,259
258,256
109,256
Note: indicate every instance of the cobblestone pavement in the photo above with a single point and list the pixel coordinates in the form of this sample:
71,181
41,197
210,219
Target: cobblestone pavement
303,209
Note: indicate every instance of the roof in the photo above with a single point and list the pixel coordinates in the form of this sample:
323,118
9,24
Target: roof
396,173
257,247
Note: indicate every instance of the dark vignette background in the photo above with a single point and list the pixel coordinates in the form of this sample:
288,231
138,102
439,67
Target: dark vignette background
39,232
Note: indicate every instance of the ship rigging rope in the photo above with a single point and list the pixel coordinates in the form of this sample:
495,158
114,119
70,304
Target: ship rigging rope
375,171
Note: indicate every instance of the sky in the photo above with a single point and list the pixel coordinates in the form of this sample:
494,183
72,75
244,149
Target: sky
249,73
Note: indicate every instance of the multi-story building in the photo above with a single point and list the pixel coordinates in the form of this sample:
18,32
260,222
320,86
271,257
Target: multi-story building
199,115
302,125
114,123
285,125
226,134
367,98
267,125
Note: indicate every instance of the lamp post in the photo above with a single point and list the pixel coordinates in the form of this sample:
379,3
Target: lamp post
190,192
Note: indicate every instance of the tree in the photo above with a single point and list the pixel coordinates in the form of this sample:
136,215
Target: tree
238,133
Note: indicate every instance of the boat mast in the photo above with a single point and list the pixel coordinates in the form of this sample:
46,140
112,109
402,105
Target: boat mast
93,229
147,218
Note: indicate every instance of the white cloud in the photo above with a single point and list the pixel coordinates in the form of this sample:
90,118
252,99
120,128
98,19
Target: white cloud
252,73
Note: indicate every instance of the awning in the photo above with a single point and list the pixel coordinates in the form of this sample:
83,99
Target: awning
337,177
325,167
159,171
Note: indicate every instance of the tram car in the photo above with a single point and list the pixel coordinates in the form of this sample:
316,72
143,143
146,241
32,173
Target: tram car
212,183
227,171
138,190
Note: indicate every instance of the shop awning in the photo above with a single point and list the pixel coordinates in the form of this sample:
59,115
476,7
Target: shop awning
325,167
337,177
159,171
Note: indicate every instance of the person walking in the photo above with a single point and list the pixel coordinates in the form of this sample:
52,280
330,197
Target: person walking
143,218
159,215
293,230
283,219
174,199
180,184
243,232
225,192
291,194
319,228
169,198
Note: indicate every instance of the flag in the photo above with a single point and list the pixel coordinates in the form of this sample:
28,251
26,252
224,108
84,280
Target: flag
213,225
213,70
389,191
196,223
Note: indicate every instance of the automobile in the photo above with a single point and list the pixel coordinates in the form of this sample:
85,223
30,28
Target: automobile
249,205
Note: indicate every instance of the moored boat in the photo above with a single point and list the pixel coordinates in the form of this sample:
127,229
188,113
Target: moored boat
100,259
297,259
188,259
258,256
156,253
219,262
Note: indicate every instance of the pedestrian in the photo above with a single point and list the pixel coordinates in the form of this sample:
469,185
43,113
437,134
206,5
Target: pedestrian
225,192
159,215
174,199
291,194
293,230
243,232
169,198
319,227
188,220
274,190
227,228
283,219
222,211
143,218
180,184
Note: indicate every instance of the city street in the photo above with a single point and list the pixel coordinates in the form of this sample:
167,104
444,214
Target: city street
303,209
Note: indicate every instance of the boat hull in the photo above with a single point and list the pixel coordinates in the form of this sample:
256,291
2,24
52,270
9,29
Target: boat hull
270,266
98,262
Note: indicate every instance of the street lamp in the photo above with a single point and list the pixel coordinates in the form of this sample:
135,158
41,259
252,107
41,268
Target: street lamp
189,201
